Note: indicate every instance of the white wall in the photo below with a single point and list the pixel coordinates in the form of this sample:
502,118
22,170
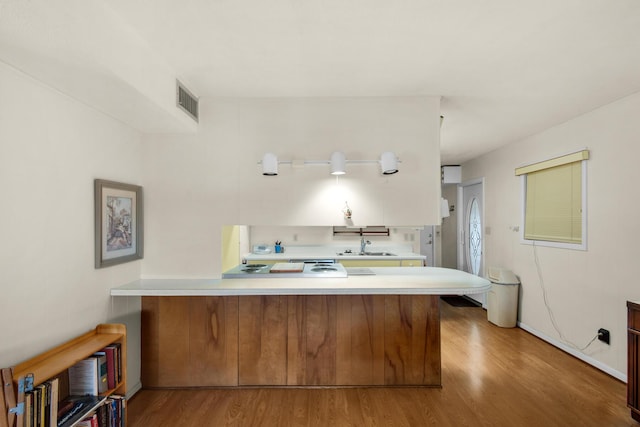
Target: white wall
51,149
586,290
197,184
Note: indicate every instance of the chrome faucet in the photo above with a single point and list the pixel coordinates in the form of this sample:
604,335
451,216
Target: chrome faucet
363,244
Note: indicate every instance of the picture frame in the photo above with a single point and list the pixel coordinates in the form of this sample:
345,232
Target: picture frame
119,236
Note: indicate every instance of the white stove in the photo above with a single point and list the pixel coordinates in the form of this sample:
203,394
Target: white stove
296,269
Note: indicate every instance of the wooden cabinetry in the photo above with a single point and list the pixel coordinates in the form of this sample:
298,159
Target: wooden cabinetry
262,337
382,263
310,340
55,364
183,338
412,263
412,339
633,359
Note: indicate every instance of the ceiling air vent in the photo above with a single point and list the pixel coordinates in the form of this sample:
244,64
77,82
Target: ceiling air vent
187,101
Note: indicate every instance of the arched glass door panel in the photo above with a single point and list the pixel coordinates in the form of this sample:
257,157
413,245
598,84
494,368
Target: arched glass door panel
474,244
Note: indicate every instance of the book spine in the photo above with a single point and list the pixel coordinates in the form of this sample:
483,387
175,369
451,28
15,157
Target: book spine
28,409
118,362
110,352
102,371
36,406
55,394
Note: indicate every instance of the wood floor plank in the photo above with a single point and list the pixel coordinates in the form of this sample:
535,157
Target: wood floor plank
491,376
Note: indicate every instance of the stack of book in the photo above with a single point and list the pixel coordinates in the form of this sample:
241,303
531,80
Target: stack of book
91,381
41,405
97,374
93,411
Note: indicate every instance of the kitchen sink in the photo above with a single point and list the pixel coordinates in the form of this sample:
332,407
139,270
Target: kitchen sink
367,253
377,254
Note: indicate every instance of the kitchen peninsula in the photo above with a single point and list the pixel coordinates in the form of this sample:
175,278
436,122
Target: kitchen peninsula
374,329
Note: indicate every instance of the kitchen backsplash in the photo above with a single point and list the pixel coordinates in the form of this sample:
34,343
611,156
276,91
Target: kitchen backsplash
321,235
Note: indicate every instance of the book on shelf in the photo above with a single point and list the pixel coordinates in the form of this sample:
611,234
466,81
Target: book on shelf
55,396
37,395
102,371
28,409
112,354
75,408
42,410
103,416
116,408
92,411
90,421
83,377
89,376
41,405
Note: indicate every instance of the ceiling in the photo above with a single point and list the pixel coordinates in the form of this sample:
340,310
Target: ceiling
505,69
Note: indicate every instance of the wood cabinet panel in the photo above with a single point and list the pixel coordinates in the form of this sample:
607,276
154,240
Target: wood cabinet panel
262,336
311,354
412,263
311,340
165,343
184,337
213,332
320,331
412,340
360,340
296,341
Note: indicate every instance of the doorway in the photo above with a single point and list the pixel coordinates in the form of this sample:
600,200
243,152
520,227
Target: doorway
470,231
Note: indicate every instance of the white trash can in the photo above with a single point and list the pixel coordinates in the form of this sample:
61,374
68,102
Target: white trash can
502,305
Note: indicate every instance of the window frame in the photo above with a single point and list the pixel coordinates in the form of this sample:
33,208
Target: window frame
547,243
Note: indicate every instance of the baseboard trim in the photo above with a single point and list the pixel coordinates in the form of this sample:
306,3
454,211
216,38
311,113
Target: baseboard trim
133,390
575,353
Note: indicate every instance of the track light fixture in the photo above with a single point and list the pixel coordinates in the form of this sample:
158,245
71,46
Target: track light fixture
338,162
269,164
388,163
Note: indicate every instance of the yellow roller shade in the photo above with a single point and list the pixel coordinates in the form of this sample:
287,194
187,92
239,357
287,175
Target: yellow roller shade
554,204
551,163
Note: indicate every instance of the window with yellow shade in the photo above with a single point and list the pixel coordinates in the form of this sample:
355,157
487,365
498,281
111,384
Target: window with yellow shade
555,201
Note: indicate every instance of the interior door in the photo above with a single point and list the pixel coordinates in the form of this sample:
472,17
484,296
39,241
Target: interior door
471,233
427,235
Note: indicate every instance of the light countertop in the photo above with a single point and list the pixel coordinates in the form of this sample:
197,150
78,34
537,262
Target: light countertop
399,252
328,255
386,281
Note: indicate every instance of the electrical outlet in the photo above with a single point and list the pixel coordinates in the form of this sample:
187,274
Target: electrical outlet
603,335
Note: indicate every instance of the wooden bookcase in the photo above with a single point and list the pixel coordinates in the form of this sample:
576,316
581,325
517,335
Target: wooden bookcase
55,363
633,359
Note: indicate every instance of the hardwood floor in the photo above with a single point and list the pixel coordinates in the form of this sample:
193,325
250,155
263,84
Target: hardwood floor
490,377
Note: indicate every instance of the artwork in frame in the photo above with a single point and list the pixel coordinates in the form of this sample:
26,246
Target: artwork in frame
118,223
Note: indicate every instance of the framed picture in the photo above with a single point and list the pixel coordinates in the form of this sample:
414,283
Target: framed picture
118,223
